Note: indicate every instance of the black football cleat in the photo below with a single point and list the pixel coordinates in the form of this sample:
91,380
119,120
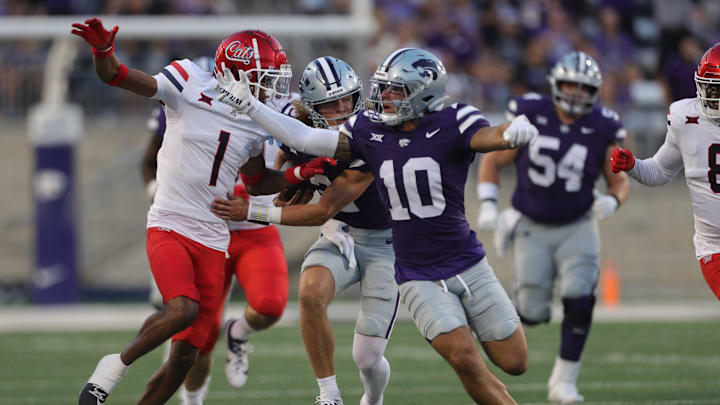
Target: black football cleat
92,394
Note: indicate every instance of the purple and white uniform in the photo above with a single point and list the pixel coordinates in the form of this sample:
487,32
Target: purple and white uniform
556,237
444,280
421,176
556,174
356,246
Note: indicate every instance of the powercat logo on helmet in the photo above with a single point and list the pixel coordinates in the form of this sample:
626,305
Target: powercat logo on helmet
237,52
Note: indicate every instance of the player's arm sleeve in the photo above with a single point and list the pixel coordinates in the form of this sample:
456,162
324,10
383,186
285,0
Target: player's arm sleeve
469,121
171,82
662,167
288,130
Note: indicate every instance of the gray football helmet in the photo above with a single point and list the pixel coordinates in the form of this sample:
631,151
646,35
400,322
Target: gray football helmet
416,72
326,79
580,68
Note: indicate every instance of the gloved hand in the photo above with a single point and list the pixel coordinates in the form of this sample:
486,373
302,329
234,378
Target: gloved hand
520,132
604,206
234,92
97,36
488,216
621,160
297,174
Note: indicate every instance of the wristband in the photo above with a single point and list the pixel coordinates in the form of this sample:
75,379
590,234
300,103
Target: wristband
104,53
487,191
264,214
120,76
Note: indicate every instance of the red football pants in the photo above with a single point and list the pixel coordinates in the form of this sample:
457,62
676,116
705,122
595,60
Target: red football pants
183,267
258,261
711,272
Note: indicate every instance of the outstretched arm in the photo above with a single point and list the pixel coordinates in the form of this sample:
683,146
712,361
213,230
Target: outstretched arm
345,189
107,66
655,171
288,130
517,132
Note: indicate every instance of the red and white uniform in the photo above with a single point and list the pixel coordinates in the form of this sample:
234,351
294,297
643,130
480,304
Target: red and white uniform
206,143
692,142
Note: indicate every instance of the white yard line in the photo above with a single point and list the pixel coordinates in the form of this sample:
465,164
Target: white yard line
91,317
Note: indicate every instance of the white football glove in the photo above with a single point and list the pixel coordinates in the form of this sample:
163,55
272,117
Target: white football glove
233,92
488,216
604,206
520,132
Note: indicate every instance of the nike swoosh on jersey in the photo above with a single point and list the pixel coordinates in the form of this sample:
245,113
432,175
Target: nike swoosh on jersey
430,134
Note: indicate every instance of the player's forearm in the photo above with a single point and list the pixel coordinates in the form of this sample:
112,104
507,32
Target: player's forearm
306,215
290,131
136,81
650,173
619,188
490,139
107,67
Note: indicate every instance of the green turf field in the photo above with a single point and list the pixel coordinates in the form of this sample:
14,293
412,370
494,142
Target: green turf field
625,363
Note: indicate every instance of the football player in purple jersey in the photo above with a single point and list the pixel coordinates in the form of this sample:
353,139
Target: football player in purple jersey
419,151
555,210
355,246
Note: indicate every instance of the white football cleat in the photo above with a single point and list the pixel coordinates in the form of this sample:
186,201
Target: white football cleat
238,364
322,400
564,393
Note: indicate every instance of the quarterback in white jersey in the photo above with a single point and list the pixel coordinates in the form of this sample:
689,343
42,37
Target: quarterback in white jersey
692,142
206,144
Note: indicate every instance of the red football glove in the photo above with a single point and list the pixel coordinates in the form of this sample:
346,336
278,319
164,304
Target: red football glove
621,160
96,35
297,174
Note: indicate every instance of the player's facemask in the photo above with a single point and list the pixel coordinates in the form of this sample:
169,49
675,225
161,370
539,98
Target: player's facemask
708,92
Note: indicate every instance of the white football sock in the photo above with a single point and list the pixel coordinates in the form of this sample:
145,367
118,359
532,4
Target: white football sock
109,371
241,329
565,371
374,367
328,387
195,397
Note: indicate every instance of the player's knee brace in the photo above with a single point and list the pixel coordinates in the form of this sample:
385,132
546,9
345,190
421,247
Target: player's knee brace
272,305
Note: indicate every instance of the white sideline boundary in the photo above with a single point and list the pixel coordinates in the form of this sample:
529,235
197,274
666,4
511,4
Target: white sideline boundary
102,317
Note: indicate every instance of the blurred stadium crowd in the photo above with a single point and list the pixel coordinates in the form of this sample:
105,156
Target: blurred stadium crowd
494,49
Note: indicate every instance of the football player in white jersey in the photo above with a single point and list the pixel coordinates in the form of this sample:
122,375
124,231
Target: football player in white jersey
206,144
693,142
